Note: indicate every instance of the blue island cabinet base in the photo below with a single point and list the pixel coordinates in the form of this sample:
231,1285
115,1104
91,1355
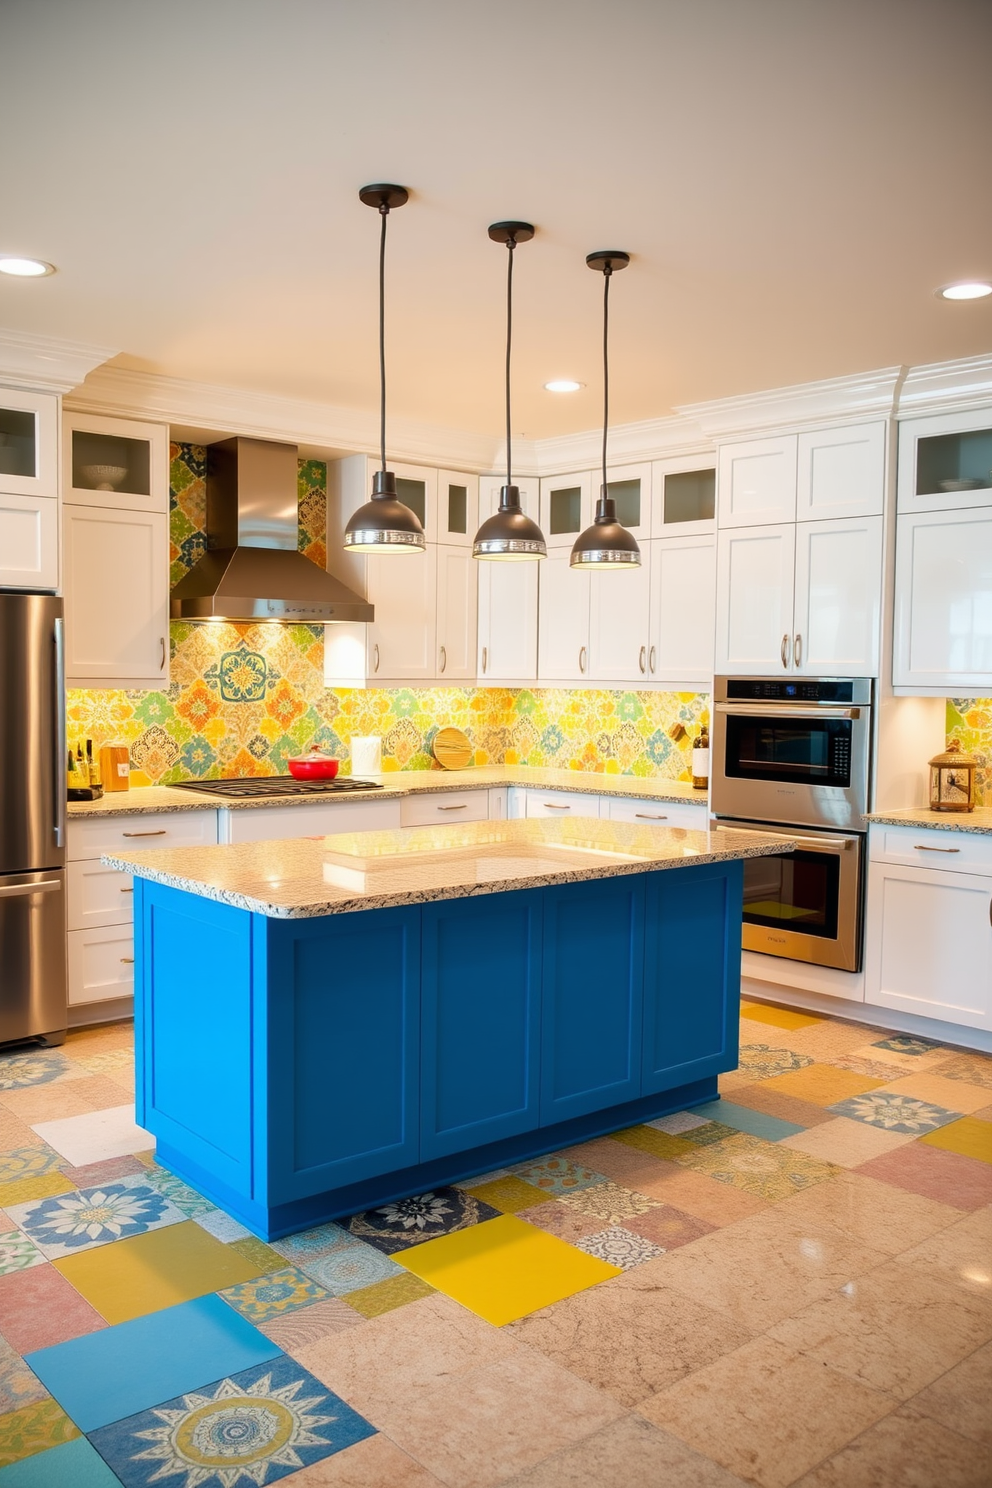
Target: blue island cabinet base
298,1070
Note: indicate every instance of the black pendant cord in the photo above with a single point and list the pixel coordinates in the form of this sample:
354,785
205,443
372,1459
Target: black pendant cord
511,243
607,274
384,213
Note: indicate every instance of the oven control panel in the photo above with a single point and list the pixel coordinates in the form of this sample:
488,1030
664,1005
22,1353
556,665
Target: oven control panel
793,690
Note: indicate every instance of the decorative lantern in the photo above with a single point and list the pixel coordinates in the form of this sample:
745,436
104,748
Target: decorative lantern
952,780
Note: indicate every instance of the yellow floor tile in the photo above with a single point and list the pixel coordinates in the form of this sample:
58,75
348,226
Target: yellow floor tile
147,1272
504,1268
21,1190
970,1138
650,1139
951,1095
509,1195
759,1012
822,1084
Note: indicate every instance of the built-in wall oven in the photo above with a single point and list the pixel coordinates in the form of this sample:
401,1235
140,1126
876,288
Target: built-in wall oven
794,756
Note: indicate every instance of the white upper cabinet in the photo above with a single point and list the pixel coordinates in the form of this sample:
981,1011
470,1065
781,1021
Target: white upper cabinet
563,624
683,612
112,463
683,496
757,482
457,508
630,487
116,597
838,597
945,462
943,599
619,622
507,640
29,443
401,638
841,473
566,508
29,542
457,600
754,602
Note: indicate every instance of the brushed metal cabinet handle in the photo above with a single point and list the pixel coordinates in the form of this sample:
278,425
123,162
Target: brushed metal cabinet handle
127,960
649,816
922,847
784,652
60,740
462,807
444,658
485,657
127,891
161,665
652,657
375,654
642,659
582,658
797,650
161,832
556,806
17,891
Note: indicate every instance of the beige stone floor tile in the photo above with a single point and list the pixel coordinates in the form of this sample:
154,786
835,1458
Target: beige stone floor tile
895,1329
389,1361
767,1413
845,1142
82,1041
735,1080
766,1268
887,1218
960,1255
695,1193
908,1064
961,1399
786,1107
485,1425
905,1450
833,1037
952,1095
59,1098
297,1330
630,1453
823,1084
564,1221
16,1133
375,1462
615,1160
631,1336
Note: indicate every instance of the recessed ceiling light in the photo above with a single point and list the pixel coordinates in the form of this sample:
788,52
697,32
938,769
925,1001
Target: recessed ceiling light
563,385
973,289
26,268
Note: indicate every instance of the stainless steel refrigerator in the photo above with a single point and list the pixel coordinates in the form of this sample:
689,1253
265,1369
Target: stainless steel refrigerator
33,973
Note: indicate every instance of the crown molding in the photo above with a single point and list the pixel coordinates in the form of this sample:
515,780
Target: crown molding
648,439
47,362
947,387
319,427
835,400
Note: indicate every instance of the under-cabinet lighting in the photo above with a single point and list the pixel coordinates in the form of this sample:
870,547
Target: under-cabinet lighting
26,268
563,385
973,289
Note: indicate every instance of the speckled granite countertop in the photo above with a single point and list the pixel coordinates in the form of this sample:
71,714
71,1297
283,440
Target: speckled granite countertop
397,783
979,820
310,876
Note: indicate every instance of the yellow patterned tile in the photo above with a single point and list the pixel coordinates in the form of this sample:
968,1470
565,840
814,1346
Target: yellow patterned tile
22,1190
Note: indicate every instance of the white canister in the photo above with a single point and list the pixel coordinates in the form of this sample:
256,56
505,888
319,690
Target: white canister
366,755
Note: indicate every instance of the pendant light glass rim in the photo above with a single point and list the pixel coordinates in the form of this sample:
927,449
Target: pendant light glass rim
509,547
605,558
383,540
509,532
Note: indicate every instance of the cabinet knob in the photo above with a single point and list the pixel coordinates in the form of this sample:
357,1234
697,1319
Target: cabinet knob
797,650
784,653
642,659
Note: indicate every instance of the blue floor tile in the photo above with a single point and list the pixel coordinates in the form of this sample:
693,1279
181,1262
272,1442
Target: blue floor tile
75,1464
755,1123
118,1371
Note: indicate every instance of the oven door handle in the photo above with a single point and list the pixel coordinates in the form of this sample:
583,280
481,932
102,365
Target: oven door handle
784,710
819,844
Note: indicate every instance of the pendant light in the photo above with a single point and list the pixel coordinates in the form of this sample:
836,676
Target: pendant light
606,544
383,525
509,536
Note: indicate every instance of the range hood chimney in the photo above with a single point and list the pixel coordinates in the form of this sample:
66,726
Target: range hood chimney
252,569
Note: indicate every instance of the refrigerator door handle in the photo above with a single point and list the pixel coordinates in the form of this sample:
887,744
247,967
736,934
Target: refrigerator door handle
60,734
44,886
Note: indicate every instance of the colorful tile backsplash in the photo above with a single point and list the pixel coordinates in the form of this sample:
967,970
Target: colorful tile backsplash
969,720
243,698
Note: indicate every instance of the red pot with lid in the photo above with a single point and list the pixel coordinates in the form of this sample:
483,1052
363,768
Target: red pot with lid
314,766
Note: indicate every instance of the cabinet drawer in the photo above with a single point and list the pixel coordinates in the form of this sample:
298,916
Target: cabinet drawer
280,822
658,813
929,847
107,834
561,803
98,895
452,806
101,964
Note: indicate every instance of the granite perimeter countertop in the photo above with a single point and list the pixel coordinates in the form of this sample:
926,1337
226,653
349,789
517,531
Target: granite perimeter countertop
306,877
979,820
394,784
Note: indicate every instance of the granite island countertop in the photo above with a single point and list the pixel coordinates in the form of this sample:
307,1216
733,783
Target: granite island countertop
978,821
398,783
311,876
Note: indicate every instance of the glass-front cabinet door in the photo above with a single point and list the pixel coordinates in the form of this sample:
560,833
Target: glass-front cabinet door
945,462
115,463
566,508
457,508
630,487
29,442
683,496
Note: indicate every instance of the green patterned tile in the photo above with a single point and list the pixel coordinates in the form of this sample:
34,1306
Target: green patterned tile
33,1429
764,1169
386,1296
259,1254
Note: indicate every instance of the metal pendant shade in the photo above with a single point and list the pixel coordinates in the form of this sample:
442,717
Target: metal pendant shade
384,525
606,545
509,535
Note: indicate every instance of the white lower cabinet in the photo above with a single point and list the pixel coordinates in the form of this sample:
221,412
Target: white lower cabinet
29,542
444,808
658,813
560,803
269,823
101,964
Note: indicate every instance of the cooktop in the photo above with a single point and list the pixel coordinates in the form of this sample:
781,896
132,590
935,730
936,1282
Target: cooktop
276,785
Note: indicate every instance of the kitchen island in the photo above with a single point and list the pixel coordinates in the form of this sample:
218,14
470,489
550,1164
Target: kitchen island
325,1024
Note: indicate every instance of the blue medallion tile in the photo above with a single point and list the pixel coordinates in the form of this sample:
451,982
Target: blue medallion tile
405,1222
895,1113
256,1426
349,1267
71,1222
37,1068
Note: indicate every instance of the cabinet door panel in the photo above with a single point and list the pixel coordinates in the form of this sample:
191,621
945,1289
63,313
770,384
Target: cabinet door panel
755,578
481,1021
943,624
683,611
29,542
101,964
29,426
838,597
401,637
116,597
756,482
507,601
619,609
563,621
691,976
593,982
841,473
457,602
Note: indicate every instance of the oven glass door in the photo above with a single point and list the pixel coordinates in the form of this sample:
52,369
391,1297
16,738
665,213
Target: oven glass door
797,891
793,751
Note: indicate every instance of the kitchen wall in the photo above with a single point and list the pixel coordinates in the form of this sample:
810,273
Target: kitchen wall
969,720
243,698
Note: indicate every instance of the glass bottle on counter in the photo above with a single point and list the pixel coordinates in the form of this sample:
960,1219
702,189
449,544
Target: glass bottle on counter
701,760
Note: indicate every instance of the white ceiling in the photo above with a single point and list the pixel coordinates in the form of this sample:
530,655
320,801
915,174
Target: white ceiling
792,177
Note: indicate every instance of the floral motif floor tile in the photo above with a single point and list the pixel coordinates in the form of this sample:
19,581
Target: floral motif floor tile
186,1199
895,1113
28,1162
762,1062
33,1429
309,1244
608,1201
37,1068
765,1169
17,1253
255,1427
68,1223
19,1385
557,1175
397,1226
274,1295
620,1247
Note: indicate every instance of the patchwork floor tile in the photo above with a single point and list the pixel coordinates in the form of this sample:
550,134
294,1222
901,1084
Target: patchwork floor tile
38,1307
79,1094
185,1199
823,1084
76,1464
765,1169
490,1177
397,1226
257,1254
562,1220
609,1201
349,1267
846,1143
147,1272
858,1064
620,1247
505,1268
28,1162
111,1170
682,1121
71,1222
222,1226
657,1143
23,1189
556,1175
19,1385
122,1370
697,1194
309,1244
32,1429
973,1069
300,1330
762,1061
904,1043
668,1227
761,1012
710,1132
36,1068
932,1087
373,1301
895,1113
258,1425
509,1195
108,1061
274,1295
17,1253
969,1137
786,1107
727,1116
96,1135
923,1169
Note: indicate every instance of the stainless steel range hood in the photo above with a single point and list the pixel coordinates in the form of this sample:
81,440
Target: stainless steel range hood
252,569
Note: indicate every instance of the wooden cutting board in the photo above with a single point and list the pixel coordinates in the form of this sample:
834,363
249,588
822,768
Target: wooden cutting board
452,749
